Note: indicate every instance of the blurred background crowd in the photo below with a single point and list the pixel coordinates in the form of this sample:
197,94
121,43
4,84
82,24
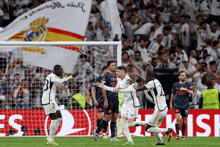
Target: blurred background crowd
162,36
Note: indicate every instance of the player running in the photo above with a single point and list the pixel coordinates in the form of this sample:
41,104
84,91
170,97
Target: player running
99,100
111,102
130,106
181,99
48,100
152,126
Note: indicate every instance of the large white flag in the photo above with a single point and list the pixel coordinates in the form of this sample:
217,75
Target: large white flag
110,13
58,20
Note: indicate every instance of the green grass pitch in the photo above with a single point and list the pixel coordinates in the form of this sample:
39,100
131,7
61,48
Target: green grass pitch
89,142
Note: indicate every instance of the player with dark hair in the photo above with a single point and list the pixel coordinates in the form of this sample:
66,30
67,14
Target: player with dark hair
129,110
180,97
152,125
111,103
99,100
48,100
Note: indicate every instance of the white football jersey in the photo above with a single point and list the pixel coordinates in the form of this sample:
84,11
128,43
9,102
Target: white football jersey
50,88
130,96
157,92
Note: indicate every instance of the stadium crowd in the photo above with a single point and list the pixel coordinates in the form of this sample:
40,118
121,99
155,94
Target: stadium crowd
176,35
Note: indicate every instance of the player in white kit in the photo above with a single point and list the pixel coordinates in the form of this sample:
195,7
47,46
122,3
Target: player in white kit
130,106
152,125
48,100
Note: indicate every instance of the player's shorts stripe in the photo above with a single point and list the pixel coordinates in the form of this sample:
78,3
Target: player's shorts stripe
156,118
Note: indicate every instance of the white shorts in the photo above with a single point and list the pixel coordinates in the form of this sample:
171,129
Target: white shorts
157,118
130,112
51,108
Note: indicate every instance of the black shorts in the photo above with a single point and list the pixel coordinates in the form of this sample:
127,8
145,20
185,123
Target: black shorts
183,112
113,106
101,107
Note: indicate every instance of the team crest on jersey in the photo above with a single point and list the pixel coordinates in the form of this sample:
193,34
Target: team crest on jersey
38,30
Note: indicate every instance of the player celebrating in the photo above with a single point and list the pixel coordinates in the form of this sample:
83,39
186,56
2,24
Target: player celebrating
48,100
181,99
111,102
152,126
130,106
99,100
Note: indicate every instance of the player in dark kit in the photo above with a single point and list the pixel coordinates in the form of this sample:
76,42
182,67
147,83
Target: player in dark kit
99,100
111,103
181,98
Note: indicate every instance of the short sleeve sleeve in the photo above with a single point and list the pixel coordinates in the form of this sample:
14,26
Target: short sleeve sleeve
149,85
173,89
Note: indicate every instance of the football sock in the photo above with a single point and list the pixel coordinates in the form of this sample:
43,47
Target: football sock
177,129
113,127
183,129
119,129
102,124
125,128
158,137
53,128
156,130
105,129
98,122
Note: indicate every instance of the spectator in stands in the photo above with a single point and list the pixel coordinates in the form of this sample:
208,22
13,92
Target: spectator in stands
125,59
154,62
21,96
171,57
192,57
180,55
217,82
90,35
140,46
195,98
214,32
36,92
1,75
213,67
166,64
100,30
154,46
138,60
126,48
188,69
18,68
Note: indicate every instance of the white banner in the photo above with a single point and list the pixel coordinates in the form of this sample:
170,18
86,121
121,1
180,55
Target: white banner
110,13
58,20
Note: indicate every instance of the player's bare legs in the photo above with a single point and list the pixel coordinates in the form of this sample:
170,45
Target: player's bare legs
177,125
183,127
55,122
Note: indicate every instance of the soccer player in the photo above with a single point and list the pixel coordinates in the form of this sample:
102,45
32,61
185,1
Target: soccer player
130,106
152,126
111,102
181,99
99,100
48,100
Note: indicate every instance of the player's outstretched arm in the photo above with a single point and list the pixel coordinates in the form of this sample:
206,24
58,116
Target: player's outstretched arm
55,79
128,90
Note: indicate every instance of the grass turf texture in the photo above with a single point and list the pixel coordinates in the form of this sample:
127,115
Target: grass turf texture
89,142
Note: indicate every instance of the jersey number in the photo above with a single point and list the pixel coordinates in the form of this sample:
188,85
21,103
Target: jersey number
46,85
